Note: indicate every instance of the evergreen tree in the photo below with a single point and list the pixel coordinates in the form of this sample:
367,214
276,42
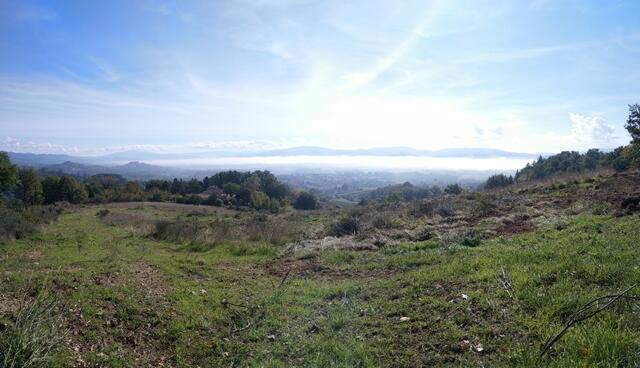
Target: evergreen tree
633,123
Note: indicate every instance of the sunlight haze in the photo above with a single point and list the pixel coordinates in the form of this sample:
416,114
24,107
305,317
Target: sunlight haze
527,76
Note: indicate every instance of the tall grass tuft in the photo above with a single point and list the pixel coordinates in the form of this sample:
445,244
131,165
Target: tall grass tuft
31,338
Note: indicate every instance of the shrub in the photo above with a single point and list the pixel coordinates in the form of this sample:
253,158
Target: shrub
13,225
483,205
175,231
349,225
471,241
191,199
386,222
446,209
454,189
425,208
471,238
306,201
424,234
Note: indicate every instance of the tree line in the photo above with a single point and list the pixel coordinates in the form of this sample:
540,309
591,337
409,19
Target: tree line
260,190
571,162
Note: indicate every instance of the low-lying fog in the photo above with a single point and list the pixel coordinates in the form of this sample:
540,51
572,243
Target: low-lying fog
354,162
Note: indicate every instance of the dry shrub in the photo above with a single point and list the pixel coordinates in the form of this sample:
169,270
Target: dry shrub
275,232
384,221
136,223
446,209
16,223
348,225
425,208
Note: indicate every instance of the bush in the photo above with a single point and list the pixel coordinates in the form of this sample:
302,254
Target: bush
471,241
454,189
424,234
349,225
425,208
176,231
386,222
192,199
446,209
306,201
13,225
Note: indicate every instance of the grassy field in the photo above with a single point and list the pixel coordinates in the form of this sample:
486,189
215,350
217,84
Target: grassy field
110,296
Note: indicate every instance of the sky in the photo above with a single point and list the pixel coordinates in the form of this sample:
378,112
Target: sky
89,77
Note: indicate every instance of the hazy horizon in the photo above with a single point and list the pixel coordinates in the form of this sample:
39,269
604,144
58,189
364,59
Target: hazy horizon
533,76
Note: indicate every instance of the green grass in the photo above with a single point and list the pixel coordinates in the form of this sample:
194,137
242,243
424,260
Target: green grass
133,301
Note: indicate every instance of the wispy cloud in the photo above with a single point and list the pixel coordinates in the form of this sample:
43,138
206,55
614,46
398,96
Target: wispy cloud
19,145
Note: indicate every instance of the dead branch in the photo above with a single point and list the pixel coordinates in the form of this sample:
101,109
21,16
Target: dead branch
284,278
583,314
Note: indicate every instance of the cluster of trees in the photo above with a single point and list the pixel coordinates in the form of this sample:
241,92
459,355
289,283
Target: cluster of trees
404,192
260,190
572,162
499,181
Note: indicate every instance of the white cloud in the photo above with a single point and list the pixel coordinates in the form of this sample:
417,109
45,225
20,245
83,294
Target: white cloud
591,129
18,145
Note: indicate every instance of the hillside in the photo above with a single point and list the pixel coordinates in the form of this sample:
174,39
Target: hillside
478,279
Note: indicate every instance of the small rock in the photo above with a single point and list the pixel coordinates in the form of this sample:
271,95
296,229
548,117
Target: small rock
405,319
465,296
271,337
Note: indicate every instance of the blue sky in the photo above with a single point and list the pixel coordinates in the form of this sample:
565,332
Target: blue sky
101,76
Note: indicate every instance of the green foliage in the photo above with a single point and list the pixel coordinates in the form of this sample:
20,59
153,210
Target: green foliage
633,123
454,189
306,201
65,188
50,189
107,181
567,162
71,190
7,173
29,187
498,181
404,192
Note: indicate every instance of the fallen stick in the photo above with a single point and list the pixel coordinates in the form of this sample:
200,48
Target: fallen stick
576,318
284,278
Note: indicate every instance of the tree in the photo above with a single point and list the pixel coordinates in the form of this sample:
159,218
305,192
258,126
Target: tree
51,189
306,201
29,188
71,190
7,173
453,189
633,123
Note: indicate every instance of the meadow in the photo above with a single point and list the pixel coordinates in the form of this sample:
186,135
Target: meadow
103,285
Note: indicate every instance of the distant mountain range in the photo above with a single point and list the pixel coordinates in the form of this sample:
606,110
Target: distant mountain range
131,164
39,160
